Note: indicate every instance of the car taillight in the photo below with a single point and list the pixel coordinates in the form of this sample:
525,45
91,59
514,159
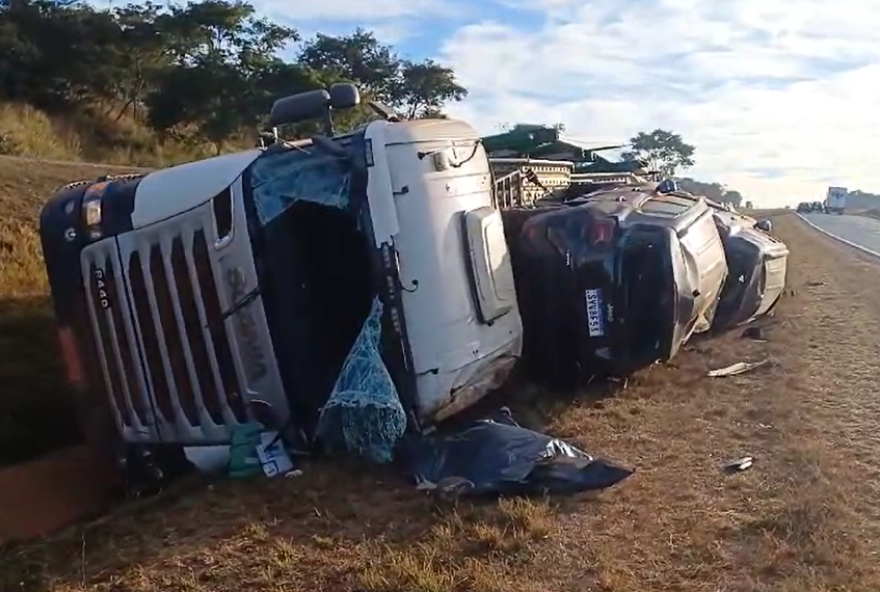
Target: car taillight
76,376
530,231
601,231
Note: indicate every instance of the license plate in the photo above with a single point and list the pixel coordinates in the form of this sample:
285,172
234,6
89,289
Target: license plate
595,305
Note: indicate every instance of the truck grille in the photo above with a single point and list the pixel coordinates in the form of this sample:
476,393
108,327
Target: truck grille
163,342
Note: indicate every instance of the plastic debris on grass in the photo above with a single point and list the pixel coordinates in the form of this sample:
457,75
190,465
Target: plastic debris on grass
254,450
738,368
498,456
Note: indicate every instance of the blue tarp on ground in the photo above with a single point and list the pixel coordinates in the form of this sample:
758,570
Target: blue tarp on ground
498,456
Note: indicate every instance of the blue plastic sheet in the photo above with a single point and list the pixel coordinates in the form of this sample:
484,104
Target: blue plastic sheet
363,414
501,457
281,179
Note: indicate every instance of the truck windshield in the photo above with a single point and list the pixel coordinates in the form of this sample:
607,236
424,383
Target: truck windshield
314,269
282,179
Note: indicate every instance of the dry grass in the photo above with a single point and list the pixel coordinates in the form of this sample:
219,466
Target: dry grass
804,518
25,131
29,373
21,269
33,406
300,534
94,133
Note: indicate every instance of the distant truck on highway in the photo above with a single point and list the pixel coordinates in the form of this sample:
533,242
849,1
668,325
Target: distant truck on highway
835,201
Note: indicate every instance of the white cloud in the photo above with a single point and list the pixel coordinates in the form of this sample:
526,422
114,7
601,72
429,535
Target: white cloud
757,86
780,97
350,10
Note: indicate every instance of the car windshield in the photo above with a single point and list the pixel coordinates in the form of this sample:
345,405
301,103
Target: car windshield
645,297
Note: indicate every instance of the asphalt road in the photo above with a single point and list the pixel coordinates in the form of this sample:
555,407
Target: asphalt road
860,230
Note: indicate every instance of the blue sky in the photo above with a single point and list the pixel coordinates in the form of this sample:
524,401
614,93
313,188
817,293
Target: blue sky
780,97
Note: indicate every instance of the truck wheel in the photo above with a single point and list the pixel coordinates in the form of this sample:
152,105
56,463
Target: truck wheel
148,470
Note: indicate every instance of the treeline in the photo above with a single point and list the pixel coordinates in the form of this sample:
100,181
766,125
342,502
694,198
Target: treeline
209,69
715,191
145,75
860,200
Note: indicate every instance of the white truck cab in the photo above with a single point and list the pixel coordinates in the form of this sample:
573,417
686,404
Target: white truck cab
188,294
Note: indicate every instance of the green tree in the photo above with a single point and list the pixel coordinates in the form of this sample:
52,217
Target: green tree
359,58
207,69
414,89
732,197
424,87
668,150
223,55
52,53
141,54
714,191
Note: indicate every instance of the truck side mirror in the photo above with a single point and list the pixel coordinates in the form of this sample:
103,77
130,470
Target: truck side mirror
314,104
344,95
299,107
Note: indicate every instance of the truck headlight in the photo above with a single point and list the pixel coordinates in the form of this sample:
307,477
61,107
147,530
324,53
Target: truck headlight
92,216
93,210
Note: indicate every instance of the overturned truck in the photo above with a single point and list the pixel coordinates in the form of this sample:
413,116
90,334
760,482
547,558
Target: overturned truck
191,297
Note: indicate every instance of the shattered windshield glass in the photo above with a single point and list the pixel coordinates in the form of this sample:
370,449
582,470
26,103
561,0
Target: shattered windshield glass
281,179
320,302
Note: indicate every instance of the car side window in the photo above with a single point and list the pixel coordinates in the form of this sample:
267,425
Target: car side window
667,206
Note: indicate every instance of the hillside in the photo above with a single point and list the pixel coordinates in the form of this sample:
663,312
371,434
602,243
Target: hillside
147,84
35,414
150,85
85,134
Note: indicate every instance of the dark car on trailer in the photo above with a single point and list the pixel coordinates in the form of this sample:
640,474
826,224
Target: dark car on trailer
613,281
757,264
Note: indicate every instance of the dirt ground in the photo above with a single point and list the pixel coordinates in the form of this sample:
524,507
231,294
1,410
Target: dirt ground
804,518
